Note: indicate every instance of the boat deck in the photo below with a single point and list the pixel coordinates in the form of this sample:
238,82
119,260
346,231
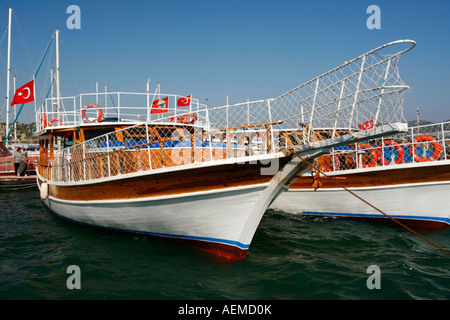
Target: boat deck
12,182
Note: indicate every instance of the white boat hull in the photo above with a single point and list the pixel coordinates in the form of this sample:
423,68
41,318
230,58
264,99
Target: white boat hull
221,220
416,202
213,218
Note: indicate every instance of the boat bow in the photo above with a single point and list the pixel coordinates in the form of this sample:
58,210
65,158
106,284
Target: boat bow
207,175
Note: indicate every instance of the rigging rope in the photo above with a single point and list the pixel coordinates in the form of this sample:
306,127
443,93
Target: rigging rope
48,92
23,41
317,169
35,74
1,41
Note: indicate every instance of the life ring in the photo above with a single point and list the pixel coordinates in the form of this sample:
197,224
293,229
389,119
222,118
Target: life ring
372,151
436,145
88,106
189,118
401,152
50,123
174,119
43,121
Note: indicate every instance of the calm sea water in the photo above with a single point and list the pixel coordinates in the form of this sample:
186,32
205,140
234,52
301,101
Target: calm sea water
291,258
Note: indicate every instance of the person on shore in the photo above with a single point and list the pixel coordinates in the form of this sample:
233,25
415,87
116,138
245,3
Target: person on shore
23,164
17,158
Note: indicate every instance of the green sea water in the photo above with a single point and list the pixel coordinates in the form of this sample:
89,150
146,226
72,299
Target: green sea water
291,258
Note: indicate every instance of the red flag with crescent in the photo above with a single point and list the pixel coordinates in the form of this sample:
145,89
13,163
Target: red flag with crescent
160,106
24,94
366,125
184,102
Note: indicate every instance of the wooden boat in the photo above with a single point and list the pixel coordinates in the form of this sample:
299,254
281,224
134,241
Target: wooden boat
168,166
406,176
8,179
17,183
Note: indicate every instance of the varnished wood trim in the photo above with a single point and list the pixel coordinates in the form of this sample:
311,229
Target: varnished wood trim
394,176
168,183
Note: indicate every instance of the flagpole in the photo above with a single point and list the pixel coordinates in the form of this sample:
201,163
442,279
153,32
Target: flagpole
35,75
58,94
8,73
106,97
15,109
190,103
148,99
159,97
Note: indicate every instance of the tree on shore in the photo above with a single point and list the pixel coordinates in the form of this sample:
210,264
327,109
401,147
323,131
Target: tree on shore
24,131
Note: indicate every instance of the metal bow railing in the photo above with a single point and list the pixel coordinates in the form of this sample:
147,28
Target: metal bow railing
364,93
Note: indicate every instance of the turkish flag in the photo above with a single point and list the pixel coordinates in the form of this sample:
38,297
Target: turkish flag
366,125
184,102
24,94
160,106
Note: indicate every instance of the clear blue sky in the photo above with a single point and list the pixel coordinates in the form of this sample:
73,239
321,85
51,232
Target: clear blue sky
246,49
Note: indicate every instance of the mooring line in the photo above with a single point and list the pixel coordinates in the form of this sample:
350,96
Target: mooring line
317,169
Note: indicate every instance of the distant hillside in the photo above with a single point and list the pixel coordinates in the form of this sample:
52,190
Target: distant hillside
24,131
413,123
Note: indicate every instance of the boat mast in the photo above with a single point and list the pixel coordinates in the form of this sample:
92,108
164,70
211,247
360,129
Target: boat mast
148,100
15,109
52,87
58,94
8,73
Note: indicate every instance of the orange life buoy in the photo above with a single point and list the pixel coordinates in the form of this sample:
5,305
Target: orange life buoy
43,121
436,146
372,151
88,106
50,123
189,118
401,152
174,119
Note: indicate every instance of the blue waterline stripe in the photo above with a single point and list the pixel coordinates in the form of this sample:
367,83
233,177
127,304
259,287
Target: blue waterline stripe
167,235
356,215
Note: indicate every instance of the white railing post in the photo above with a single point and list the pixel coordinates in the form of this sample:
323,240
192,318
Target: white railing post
148,147
106,99
356,93
272,144
338,108
75,113
118,106
375,121
227,125
208,125
443,141
358,155
69,171
107,152
310,127
248,113
148,100
413,153
84,161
